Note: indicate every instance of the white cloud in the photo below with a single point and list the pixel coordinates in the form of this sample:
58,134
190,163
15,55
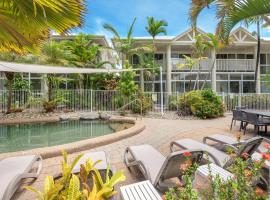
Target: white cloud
101,31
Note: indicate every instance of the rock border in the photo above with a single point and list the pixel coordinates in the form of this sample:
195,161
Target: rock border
53,151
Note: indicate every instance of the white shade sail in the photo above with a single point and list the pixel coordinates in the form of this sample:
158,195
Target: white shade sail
44,69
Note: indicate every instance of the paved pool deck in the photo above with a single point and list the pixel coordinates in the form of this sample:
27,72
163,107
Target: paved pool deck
158,132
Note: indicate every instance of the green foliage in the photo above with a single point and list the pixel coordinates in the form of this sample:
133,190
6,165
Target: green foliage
19,83
54,53
25,24
76,187
86,54
156,27
142,103
201,103
127,86
246,183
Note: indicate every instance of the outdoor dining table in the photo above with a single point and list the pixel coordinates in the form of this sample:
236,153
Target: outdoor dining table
258,112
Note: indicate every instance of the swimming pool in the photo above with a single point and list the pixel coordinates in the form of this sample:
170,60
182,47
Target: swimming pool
35,135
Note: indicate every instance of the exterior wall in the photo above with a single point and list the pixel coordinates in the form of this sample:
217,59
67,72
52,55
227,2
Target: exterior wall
234,72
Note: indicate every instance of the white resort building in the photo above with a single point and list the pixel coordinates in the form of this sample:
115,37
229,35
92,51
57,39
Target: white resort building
233,70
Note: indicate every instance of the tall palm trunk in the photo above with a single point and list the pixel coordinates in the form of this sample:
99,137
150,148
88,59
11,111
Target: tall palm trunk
10,77
257,84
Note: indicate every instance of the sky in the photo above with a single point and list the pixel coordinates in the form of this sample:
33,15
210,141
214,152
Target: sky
120,13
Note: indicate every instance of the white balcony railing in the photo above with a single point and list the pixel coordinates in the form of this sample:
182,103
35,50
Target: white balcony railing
204,64
235,64
222,64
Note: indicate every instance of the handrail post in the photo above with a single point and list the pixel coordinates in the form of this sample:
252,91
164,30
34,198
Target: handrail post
91,100
161,92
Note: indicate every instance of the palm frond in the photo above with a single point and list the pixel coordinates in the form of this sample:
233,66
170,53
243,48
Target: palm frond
111,29
130,31
24,24
195,9
243,9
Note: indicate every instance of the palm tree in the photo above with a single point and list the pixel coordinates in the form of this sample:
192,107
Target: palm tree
213,43
146,64
25,24
230,13
154,28
53,53
125,47
86,54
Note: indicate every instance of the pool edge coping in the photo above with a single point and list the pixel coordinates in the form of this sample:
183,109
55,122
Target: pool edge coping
53,151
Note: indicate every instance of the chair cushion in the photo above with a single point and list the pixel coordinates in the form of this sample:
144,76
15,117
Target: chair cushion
150,157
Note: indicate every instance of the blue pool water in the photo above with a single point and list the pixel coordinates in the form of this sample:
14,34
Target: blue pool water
35,135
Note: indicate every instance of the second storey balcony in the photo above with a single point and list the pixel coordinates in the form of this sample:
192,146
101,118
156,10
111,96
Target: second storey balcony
226,65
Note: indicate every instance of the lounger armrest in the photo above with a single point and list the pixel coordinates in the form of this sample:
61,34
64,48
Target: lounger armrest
35,174
139,163
136,163
172,144
266,140
208,138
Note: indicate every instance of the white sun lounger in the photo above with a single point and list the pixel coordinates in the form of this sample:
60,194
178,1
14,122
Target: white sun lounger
156,167
13,170
225,140
219,157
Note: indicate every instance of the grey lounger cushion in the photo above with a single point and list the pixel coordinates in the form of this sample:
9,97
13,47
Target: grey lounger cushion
13,170
94,156
219,157
150,158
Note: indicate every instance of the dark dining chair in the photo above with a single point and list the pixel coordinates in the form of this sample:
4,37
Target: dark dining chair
257,121
238,116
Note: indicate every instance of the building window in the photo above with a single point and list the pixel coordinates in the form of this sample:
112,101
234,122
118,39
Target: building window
159,56
263,59
231,56
250,56
222,76
174,55
135,59
221,56
248,86
241,56
183,55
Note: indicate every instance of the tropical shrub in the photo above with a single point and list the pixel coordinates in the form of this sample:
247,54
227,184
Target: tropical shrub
142,103
19,83
201,103
87,185
58,98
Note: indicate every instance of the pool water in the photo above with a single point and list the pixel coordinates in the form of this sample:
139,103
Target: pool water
35,135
